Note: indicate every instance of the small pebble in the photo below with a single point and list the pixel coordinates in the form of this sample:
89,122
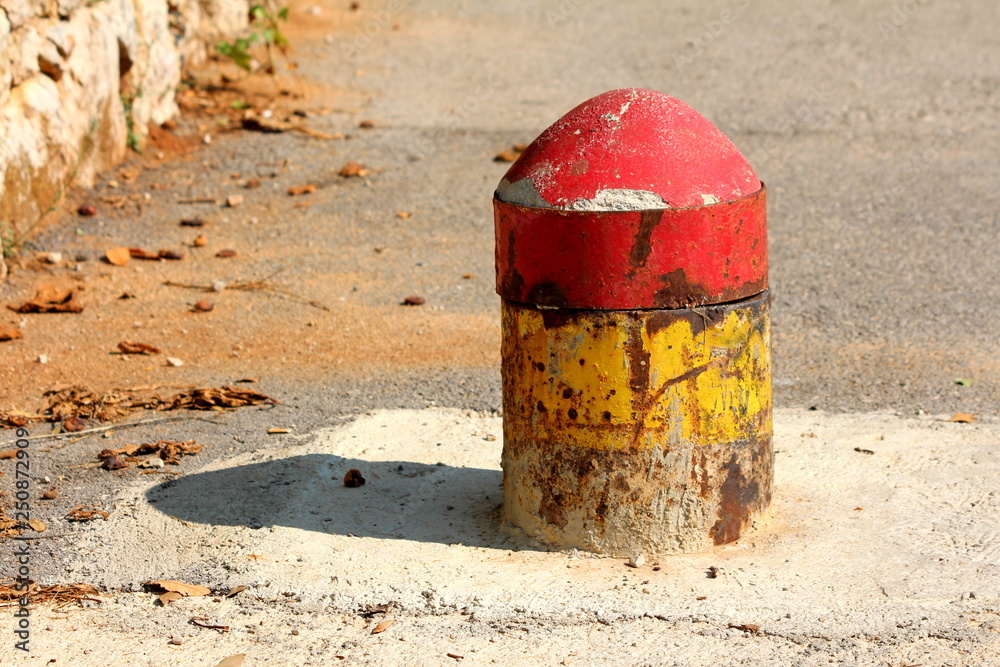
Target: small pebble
637,561
174,361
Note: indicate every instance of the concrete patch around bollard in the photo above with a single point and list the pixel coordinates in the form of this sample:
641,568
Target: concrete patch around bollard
856,544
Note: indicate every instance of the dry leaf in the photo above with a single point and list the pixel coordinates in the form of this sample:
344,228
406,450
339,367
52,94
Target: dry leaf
306,189
225,254
382,627
168,597
8,454
233,661
404,214
133,347
273,431
50,299
511,154
139,253
963,417
353,479
59,594
81,513
354,169
413,301
172,585
37,525
74,425
9,333
236,591
118,256
170,254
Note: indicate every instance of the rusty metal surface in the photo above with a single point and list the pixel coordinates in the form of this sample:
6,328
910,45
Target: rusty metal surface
663,258
637,431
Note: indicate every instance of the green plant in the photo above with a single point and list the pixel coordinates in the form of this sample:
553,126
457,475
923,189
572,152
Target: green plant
265,29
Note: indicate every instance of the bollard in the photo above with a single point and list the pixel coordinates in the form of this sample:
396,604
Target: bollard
631,255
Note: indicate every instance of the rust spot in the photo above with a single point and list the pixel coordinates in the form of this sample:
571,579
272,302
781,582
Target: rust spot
677,292
641,249
738,496
539,366
547,294
511,284
541,407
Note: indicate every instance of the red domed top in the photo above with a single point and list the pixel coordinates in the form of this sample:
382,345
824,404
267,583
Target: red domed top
629,149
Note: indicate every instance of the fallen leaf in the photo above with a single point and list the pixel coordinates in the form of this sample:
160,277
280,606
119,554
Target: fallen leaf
274,431
9,333
353,169
50,299
455,656
235,591
404,214
139,253
170,254
510,154
112,462
203,306
306,189
81,513
8,454
225,254
118,256
353,478
37,525
963,417
413,301
74,425
133,347
750,628
382,627
174,586
168,597
965,382
861,450
233,661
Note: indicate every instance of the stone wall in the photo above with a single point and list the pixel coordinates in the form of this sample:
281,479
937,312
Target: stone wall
80,80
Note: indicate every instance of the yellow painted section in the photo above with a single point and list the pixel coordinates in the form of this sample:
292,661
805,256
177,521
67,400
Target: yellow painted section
637,379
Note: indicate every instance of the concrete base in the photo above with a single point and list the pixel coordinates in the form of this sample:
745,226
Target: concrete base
860,545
